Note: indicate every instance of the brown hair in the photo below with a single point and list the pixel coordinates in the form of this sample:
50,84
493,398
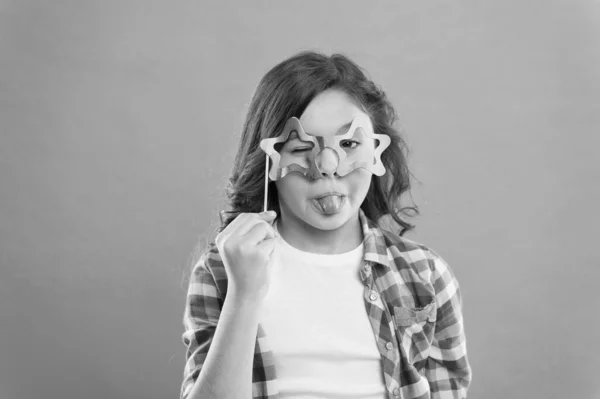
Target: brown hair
285,91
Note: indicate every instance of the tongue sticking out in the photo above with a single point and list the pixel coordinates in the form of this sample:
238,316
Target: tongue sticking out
330,204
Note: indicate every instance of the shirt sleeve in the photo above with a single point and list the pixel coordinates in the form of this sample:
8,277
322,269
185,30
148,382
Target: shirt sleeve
202,311
447,369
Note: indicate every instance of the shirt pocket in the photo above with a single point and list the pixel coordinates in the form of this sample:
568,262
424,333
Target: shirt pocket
415,329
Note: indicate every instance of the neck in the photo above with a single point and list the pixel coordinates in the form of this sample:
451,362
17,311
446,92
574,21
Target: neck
308,238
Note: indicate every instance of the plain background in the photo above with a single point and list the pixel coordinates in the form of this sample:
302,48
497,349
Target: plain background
119,121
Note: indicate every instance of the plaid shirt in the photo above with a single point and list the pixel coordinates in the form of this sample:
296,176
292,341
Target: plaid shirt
413,302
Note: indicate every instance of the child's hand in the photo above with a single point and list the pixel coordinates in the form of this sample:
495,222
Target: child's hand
246,245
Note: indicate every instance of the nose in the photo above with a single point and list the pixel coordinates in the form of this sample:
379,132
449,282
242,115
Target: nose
327,162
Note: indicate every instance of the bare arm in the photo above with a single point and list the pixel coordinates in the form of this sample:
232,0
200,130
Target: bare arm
227,370
221,339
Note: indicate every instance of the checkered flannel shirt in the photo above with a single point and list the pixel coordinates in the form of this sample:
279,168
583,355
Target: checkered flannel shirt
414,306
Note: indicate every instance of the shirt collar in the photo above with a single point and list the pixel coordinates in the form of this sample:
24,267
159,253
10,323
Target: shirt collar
375,246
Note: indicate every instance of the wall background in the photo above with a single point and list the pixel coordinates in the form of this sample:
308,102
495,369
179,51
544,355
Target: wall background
118,126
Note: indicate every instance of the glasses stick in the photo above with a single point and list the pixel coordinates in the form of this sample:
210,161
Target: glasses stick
266,182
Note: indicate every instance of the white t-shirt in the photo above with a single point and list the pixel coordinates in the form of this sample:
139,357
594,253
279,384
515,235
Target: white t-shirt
315,320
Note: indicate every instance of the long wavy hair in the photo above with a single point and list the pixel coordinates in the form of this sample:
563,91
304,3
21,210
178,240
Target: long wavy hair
285,91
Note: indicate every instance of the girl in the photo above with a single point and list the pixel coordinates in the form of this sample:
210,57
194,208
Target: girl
313,298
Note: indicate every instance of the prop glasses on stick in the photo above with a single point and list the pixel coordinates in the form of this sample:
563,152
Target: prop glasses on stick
294,150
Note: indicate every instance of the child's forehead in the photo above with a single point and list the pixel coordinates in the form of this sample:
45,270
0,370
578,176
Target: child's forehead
333,126
331,113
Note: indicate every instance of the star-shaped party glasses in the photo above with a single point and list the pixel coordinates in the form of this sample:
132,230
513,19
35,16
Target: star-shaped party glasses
296,151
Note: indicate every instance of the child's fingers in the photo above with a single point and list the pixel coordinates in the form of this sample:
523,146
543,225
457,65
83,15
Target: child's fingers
268,215
259,232
245,221
250,219
266,247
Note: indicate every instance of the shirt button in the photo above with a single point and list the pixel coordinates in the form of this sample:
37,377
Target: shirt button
373,296
396,392
389,346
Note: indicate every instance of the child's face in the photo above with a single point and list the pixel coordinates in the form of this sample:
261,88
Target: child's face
307,199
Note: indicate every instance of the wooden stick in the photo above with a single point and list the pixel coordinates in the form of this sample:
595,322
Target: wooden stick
266,182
